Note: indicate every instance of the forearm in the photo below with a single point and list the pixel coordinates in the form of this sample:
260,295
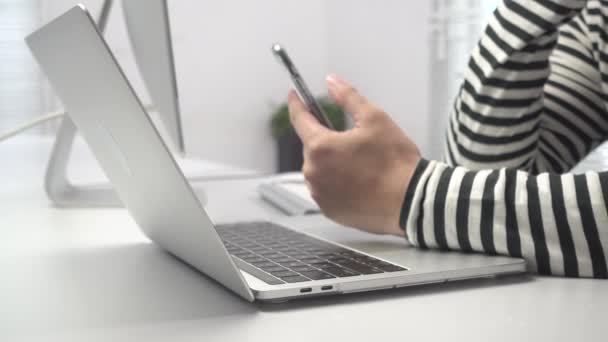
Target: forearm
495,119
557,223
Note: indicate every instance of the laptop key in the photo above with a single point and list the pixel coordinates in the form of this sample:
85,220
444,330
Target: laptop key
271,269
248,256
301,256
264,264
317,275
291,264
385,266
254,259
348,254
361,268
283,260
341,272
326,255
367,260
339,260
282,274
294,279
304,268
294,253
323,265
391,268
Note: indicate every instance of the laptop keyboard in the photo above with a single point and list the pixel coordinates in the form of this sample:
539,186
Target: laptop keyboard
279,255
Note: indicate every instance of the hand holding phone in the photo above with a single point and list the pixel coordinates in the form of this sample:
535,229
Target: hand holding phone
301,87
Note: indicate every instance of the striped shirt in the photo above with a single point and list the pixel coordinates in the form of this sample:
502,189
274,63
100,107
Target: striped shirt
533,103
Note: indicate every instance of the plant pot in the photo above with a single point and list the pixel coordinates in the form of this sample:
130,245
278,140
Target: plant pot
290,152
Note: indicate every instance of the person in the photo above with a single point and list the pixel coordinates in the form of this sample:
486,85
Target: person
533,103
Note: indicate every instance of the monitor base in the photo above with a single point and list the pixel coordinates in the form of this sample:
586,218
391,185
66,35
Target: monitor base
65,194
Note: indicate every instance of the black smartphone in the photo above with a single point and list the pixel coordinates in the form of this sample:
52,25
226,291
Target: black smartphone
301,87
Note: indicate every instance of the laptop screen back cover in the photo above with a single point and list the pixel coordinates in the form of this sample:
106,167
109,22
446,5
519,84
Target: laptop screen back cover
105,109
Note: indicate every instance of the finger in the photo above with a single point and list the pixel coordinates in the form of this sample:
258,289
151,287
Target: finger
305,124
347,97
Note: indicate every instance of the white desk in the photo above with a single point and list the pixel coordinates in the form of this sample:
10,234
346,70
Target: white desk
89,275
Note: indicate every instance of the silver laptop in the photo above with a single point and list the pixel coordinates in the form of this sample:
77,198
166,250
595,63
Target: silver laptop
257,260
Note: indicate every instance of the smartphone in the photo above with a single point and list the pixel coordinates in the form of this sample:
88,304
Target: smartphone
302,89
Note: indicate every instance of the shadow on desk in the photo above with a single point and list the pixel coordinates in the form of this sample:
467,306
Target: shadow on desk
113,286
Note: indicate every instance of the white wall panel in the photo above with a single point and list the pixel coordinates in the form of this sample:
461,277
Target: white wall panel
383,48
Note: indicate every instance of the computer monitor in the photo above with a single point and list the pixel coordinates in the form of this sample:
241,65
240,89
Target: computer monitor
149,31
150,35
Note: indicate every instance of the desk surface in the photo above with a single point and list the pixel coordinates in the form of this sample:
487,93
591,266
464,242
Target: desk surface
91,275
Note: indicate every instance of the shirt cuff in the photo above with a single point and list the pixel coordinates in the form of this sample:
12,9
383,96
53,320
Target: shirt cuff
411,190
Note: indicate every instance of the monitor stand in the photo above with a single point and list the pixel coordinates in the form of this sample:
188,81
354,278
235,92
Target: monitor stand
58,187
56,183
65,194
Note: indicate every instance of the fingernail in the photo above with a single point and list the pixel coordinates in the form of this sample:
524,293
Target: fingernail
333,78
332,86
331,82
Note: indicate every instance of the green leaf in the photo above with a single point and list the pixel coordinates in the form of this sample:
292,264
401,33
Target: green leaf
280,124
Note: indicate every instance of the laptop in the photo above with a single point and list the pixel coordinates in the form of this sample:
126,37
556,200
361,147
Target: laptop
261,261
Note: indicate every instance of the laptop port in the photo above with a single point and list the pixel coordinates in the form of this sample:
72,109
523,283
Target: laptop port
325,288
305,290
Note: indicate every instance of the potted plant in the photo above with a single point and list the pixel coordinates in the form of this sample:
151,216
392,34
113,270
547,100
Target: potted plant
289,145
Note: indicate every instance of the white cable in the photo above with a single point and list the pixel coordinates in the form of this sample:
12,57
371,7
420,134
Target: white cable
42,119
37,121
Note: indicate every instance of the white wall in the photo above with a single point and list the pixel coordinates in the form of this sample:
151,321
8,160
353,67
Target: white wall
229,82
383,48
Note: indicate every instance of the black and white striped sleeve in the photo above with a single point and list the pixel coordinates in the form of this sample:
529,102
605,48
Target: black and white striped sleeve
558,223
531,106
532,95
